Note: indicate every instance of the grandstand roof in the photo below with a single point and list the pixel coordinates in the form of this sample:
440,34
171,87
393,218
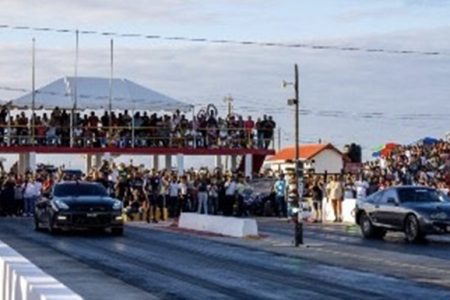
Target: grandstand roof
93,93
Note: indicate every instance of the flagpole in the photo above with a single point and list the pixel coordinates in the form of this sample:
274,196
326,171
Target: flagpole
111,90
33,90
73,119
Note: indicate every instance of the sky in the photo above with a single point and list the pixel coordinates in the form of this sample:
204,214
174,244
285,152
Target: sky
346,96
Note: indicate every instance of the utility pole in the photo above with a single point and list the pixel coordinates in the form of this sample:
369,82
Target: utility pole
297,133
279,139
298,167
298,233
229,100
33,93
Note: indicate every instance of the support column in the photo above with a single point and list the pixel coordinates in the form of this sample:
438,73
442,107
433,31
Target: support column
218,162
249,165
156,162
31,161
233,166
168,162
25,162
88,162
180,164
98,160
21,164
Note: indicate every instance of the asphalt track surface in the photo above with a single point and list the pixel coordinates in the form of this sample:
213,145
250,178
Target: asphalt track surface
151,262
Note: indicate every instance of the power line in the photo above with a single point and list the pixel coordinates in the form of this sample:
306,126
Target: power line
336,114
309,46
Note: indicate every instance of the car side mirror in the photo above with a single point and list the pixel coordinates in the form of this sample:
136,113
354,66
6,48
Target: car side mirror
392,201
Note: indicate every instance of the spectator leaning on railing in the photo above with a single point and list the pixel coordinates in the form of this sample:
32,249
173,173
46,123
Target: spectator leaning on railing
206,130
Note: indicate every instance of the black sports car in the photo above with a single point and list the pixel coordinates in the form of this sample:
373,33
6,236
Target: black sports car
415,210
79,205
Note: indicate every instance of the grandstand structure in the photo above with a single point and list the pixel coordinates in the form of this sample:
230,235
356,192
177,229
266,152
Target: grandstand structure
87,94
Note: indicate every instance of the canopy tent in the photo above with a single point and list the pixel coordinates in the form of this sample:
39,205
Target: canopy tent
429,140
93,93
384,150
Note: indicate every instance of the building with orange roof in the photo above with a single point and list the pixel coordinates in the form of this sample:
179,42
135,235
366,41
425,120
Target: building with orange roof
319,157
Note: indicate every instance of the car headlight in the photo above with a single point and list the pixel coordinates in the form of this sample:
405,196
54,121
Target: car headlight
117,205
439,216
60,205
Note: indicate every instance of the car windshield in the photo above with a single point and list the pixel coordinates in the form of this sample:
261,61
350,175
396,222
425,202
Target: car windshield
67,190
421,195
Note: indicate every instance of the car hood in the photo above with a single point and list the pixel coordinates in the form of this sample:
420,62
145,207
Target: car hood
432,207
87,201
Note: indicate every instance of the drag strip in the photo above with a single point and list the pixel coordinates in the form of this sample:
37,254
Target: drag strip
168,265
428,262
393,242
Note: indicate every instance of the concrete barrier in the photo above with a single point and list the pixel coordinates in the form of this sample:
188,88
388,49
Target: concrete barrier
348,210
22,280
229,226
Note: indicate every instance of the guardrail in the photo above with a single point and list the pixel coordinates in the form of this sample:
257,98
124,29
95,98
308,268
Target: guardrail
134,136
22,280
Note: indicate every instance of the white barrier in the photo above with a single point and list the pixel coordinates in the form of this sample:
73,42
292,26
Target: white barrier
230,226
22,280
348,210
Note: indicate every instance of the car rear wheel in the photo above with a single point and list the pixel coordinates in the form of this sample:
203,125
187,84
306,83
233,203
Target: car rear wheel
412,229
117,231
368,230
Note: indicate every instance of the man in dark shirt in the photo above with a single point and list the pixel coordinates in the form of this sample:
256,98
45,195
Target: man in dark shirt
105,122
269,126
154,188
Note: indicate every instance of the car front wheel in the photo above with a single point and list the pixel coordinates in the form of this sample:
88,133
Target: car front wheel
51,227
413,233
368,230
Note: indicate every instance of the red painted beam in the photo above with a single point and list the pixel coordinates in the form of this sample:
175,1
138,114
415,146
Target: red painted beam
134,151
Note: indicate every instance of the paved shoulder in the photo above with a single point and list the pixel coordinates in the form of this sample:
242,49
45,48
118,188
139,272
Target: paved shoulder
88,282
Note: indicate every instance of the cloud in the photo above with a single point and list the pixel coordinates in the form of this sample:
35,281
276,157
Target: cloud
90,12
121,13
354,15
354,84
401,10
428,3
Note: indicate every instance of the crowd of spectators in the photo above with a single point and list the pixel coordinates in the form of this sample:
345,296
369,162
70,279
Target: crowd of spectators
143,191
417,164
122,129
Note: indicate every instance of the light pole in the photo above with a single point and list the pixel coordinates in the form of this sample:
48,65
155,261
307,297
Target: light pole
298,237
229,100
33,88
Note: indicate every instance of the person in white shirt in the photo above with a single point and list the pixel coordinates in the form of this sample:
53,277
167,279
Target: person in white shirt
173,198
29,196
183,199
335,193
361,186
38,188
230,195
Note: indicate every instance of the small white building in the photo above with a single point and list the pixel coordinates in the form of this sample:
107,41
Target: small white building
319,157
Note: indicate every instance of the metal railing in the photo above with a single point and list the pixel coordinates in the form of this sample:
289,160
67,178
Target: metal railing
134,137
